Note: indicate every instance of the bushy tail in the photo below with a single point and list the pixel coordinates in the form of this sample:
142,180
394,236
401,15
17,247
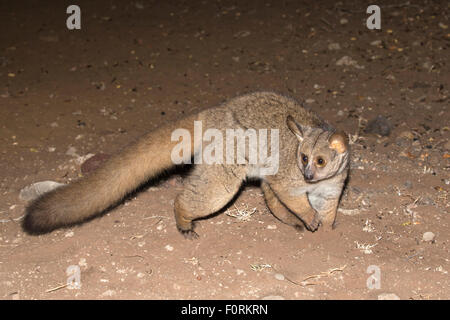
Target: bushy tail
106,186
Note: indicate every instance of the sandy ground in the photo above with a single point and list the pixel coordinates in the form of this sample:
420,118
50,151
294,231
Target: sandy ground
65,94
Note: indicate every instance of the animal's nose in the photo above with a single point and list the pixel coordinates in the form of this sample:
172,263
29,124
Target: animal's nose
309,176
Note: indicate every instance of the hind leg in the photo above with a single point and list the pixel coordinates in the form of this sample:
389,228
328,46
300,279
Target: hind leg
207,190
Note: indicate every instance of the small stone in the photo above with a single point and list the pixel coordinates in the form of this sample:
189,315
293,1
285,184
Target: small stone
334,46
428,236
427,65
406,134
169,247
240,272
340,113
343,21
108,293
388,296
34,190
69,234
279,276
380,125
390,77
348,61
82,263
72,151
376,43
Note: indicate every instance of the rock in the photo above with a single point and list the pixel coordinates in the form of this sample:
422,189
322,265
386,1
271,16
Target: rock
388,296
404,138
406,134
34,190
428,236
343,21
72,151
273,298
108,293
380,125
279,276
376,43
427,65
426,201
348,61
334,46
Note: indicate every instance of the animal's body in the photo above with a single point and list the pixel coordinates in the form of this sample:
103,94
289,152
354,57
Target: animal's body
305,190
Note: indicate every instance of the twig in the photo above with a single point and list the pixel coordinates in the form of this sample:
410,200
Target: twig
57,288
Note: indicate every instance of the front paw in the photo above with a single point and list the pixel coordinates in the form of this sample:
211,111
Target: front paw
314,224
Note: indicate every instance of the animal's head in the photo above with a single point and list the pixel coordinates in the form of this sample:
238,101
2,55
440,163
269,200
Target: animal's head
321,153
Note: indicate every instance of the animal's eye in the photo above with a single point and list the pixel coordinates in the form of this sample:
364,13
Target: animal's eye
320,162
304,159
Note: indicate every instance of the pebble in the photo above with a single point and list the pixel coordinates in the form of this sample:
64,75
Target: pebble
388,296
34,190
428,236
427,65
348,61
72,151
279,276
380,125
334,46
406,134
375,43
69,234
343,21
108,293
443,26
404,138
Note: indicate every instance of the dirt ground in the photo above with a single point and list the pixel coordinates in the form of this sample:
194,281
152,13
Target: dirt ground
66,94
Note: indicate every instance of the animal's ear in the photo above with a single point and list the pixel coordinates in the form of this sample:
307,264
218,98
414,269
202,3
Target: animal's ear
339,142
295,127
